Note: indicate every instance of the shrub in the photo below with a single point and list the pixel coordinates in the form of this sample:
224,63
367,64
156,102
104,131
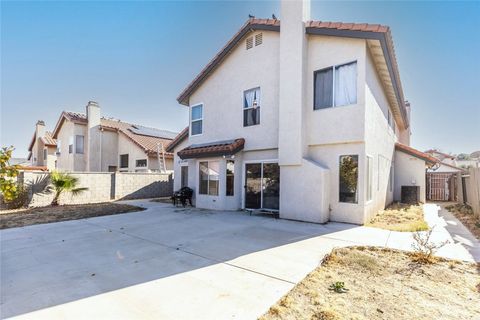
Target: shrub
8,173
424,248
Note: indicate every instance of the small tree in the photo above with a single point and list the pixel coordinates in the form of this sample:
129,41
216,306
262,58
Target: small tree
8,173
64,182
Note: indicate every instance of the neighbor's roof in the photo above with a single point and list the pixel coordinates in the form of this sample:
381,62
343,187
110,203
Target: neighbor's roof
48,140
446,155
212,149
339,29
178,139
140,135
416,153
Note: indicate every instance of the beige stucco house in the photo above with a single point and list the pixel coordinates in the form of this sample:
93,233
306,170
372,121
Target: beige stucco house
42,148
302,117
89,142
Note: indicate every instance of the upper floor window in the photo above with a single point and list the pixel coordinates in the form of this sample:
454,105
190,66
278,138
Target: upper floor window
70,145
45,153
59,147
141,163
251,107
196,119
335,86
124,161
79,144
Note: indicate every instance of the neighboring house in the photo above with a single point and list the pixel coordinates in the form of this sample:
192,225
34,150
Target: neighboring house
444,157
90,142
300,117
42,148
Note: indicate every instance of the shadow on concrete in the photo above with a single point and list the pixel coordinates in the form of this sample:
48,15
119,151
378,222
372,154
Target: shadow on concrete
53,264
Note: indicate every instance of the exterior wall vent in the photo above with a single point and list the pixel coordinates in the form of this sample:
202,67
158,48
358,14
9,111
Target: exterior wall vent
258,39
249,43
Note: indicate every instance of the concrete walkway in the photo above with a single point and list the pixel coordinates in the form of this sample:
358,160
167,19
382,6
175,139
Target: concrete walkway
168,263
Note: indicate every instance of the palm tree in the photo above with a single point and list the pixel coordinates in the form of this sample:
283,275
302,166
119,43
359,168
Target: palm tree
62,182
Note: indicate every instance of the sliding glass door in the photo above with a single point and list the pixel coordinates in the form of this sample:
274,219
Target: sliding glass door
262,185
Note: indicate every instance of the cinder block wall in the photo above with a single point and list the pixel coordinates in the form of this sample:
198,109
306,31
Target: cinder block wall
102,187
138,185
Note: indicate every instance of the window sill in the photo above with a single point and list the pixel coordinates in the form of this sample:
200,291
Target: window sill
336,107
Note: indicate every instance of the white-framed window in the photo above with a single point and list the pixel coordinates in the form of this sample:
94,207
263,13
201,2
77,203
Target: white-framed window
70,144
59,147
392,172
335,86
209,177
79,144
141,163
348,179
251,107
196,120
124,161
230,177
369,173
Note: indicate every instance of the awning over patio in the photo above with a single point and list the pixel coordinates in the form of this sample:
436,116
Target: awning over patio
212,149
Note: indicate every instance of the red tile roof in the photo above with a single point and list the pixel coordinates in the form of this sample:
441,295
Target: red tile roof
146,142
416,153
48,140
178,139
213,149
446,155
358,30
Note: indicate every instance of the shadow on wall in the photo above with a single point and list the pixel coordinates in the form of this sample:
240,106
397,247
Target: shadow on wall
153,190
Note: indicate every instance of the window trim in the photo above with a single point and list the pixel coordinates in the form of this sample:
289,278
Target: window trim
120,161
145,166
358,178
191,121
369,178
249,108
75,143
233,177
334,67
208,178
71,143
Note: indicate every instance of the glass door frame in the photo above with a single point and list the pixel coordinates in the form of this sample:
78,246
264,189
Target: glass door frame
244,181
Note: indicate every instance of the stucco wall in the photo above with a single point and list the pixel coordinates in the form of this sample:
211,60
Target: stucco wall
409,171
380,140
339,124
222,96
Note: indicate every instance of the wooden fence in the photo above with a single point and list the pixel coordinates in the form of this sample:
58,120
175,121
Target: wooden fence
471,183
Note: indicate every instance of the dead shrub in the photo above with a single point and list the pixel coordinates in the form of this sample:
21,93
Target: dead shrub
424,248
325,315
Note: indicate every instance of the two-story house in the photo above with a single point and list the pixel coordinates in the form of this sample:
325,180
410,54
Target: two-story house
90,142
42,148
303,117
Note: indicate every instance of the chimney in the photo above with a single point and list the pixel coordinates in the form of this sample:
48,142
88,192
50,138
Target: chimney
93,141
40,129
292,67
93,114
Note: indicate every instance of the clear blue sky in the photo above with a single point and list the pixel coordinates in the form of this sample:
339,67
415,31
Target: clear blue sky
135,57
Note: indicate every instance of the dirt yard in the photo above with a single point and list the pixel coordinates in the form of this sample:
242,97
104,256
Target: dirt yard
30,216
400,217
465,214
383,284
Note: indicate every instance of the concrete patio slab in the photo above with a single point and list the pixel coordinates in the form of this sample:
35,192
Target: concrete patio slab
175,263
